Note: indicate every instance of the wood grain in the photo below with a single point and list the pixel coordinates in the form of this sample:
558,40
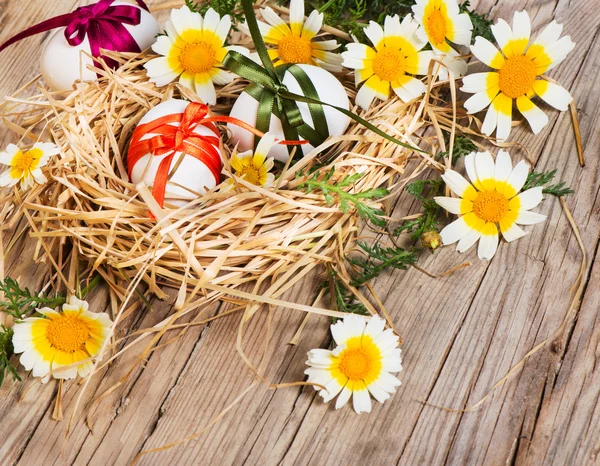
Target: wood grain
462,332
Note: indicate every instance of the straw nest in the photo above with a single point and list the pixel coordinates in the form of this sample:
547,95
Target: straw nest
267,238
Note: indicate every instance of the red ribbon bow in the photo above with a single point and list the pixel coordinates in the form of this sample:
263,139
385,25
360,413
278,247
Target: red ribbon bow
170,139
101,22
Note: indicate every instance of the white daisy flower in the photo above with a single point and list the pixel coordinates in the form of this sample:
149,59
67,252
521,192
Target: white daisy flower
519,66
443,23
361,363
61,339
26,166
295,43
254,167
491,201
193,50
395,60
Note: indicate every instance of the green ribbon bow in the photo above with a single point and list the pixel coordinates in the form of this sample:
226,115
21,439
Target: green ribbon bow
275,99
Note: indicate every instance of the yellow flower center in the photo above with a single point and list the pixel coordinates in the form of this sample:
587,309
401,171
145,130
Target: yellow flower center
23,160
490,206
251,175
435,25
517,76
389,64
67,333
355,364
198,57
295,49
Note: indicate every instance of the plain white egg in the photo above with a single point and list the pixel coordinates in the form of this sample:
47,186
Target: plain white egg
62,64
330,90
192,177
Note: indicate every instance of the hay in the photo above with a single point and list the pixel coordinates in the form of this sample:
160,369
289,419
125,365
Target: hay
221,240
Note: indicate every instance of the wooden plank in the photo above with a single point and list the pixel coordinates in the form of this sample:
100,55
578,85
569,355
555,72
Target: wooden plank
462,334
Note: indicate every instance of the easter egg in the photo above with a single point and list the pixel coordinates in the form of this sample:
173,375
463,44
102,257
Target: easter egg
330,91
188,176
62,64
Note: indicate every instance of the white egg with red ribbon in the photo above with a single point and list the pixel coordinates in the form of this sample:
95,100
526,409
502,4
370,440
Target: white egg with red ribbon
176,150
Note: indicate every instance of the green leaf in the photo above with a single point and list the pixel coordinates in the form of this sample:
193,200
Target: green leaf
347,199
536,179
424,191
482,26
345,300
377,259
462,146
18,302
6,351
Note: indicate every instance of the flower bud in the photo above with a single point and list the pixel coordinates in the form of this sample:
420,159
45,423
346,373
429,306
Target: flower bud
431,240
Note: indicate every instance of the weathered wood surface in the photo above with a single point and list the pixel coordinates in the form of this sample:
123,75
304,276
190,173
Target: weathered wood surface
462,332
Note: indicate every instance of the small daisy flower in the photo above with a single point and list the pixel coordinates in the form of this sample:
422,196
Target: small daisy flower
61,339
193,50
519,64
295,42
361,363
26,166
393,62
255,168
443,23
491,201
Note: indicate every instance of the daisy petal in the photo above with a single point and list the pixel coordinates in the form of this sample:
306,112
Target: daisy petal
375,34
488,244
454,232
513,233
458,185
467,241
549,34
375,327
487,53
451,204
530,198
529,218
518,176
471,169
378,393
485,167
477,102
409,88
503,167
476,82
205,90
361,401
553,94
536,118
502,33
490,121
343,398
313,25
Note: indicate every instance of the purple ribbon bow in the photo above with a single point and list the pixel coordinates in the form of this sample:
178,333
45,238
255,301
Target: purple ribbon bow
101,22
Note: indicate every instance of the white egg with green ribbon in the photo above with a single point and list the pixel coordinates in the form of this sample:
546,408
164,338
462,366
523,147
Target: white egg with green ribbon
296,102
258,107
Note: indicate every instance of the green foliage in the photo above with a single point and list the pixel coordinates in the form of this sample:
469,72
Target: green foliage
379,258
232,8
335,193
345,300
6,351
462,146
482,26
423,191
353,16
18,302
535,179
